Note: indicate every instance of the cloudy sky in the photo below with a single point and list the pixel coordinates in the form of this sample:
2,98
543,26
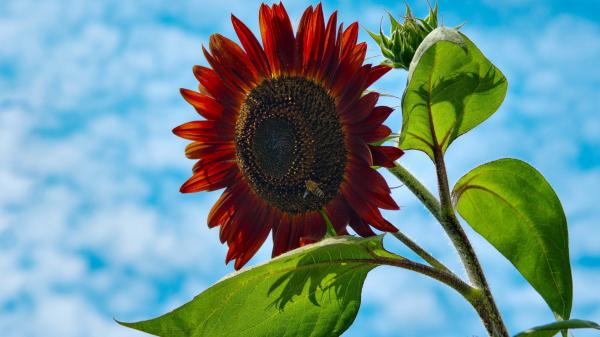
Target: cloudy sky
92,225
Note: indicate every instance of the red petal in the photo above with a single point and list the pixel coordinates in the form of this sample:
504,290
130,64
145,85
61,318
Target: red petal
376,73
349,83
349,39
385,155
237,222
206,106
251,46
375,119
313,47
351,60
225,206
286,42
230,61
331,76
211,83
378,134
219,209
359,226
307,241
298,227
204,131
210,177
278,38
265,19
250,241
338,213
361,109
301,37
249,231
331,52
357,172
360,151
314,227
383,201
377,192
210,152
365,210
281,235
385,226
245,220
256,242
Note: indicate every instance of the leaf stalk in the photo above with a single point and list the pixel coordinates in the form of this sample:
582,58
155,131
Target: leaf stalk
443,211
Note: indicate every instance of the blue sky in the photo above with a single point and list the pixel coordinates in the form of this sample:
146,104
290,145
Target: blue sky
92,225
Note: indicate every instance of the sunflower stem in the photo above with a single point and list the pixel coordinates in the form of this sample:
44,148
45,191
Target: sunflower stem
483,302
470,293
421,252
418,189
487,308
330,230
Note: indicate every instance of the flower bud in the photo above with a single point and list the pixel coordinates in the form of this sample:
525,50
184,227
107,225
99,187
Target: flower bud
399,47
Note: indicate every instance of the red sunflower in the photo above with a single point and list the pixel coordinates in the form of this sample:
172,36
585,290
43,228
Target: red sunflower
289,133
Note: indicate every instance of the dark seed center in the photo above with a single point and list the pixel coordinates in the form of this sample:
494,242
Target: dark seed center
290,144
274,146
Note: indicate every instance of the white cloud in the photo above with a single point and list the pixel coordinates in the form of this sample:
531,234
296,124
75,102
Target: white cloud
91,222
546,84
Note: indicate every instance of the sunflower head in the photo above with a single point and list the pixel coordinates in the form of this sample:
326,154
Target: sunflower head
289,134
399,47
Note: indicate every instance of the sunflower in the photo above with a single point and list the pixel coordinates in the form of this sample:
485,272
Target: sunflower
289,134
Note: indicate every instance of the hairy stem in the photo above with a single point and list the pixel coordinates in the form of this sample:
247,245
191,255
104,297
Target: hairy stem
446,277
489,311
420,191
484,303
421,252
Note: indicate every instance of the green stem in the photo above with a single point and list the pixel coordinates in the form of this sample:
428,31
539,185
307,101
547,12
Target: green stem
331,233
491,315
450,279
421,252
420,191
484,303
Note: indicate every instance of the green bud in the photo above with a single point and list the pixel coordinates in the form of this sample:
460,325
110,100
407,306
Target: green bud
399,47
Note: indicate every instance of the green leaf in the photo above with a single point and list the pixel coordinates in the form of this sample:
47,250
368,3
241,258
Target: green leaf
311,291
395,24
514,208
552,329
375,37
451,89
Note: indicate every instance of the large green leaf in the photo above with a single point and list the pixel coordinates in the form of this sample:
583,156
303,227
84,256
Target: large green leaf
513,207
552,329
451,89
312,291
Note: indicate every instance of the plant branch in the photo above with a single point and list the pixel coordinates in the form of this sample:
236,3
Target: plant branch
488,311
446,277
420,191
421,252
444,213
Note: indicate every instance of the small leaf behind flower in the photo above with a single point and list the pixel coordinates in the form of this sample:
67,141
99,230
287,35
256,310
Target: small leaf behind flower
552,329
452,88
311,291
514,208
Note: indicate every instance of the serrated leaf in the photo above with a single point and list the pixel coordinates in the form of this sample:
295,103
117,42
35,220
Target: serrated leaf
451,89
552,329
514,208
386,42
312,291
395,24
375,37
387,53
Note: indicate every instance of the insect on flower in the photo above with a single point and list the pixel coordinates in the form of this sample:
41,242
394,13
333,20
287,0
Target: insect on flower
313,187
279,114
